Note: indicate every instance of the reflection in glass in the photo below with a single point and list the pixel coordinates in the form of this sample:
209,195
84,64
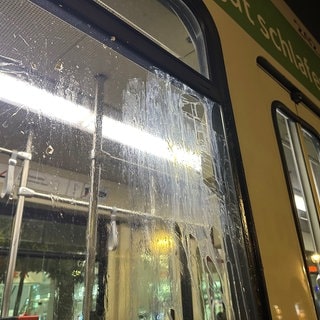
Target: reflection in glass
313,149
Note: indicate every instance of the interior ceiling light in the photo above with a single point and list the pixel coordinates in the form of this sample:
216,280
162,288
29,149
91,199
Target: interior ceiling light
22,94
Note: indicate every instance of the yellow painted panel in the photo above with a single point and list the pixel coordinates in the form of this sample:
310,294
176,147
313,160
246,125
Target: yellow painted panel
252,92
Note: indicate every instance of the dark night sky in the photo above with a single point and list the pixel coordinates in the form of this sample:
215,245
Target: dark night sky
309,13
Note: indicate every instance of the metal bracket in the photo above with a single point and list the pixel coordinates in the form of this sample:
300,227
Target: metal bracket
7,188
113,239
24,155
26,192
8,183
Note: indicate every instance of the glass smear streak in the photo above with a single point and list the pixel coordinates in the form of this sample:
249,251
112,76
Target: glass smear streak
184,209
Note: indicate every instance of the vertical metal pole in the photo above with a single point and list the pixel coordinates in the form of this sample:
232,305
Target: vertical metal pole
15,238
91,234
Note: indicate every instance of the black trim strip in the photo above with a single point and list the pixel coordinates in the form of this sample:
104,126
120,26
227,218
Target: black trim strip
296,95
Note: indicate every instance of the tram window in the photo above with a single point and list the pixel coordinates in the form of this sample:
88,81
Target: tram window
169,239
161,22
299,145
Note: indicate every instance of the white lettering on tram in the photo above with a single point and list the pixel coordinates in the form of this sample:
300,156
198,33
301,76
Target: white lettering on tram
287,49
272,33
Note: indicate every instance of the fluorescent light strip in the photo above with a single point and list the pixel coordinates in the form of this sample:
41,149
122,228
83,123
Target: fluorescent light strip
24,95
